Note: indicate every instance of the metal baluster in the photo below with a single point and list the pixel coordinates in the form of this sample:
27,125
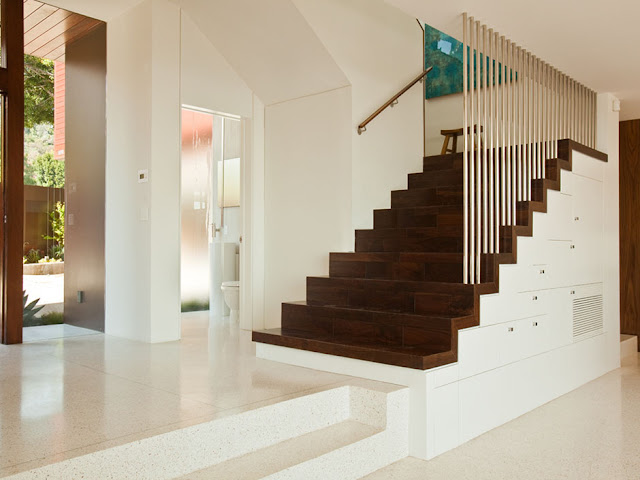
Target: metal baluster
468,147
496,156
485,182
512,126
502,127
478,163
530,126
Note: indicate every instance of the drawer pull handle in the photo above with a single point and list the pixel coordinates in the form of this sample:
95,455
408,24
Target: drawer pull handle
535,297
542,272
510,329
573,292
572,247
577,219
535,324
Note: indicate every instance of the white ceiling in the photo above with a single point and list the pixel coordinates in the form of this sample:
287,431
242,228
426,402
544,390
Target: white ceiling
594,41
100,9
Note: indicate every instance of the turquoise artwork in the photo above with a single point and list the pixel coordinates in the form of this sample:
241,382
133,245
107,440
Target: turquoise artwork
444,54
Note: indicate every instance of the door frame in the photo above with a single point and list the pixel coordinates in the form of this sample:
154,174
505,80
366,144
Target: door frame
11,207
246,277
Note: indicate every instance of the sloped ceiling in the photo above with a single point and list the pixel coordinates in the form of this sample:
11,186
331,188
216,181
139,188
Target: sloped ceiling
269,44
100,9
48,29
594,41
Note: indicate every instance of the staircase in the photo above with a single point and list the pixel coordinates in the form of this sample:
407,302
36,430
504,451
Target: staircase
399,298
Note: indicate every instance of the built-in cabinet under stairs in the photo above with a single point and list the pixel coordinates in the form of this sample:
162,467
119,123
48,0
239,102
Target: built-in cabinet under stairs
399,298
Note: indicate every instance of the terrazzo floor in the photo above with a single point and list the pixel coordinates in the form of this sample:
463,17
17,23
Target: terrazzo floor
592,433
69,396
65,397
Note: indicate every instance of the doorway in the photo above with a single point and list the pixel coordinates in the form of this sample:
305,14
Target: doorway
63,173
211,217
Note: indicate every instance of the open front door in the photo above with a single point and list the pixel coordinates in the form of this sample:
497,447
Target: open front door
11,182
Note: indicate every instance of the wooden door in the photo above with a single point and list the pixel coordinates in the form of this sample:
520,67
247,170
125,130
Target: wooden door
630,227
11,182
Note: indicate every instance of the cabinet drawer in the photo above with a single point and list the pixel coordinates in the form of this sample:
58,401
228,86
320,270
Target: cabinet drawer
506,307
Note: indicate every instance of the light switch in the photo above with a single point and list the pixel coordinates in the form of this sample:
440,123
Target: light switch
143,176
144,214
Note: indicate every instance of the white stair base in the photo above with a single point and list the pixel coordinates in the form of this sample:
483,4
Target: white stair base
346,432
628,347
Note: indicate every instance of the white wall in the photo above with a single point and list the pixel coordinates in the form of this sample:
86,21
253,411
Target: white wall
608,141
307,192
142,219
269,44
253,246
127,289
207,79
379,48
442,113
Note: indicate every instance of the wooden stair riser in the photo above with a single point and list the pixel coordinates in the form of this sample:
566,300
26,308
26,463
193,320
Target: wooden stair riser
442,162
426,197
418,217
444,244
447,268
401,297
367,327
441,178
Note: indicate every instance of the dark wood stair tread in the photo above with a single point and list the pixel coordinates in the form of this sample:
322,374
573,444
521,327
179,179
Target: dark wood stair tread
410,357
399,318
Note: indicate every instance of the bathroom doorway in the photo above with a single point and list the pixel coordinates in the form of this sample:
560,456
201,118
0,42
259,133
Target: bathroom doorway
211,218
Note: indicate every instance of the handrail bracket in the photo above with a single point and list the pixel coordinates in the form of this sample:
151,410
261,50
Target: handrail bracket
393,100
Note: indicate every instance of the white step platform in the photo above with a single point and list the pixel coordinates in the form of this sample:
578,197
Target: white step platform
628,348
345,432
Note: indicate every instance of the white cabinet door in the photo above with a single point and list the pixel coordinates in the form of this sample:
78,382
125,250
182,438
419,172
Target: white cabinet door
535,333
478,350
507,307
445,419
587,230
586,166
561,273
560,322
557,222
482,403
512,342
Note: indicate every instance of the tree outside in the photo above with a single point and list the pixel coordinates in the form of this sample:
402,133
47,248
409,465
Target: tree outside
40,166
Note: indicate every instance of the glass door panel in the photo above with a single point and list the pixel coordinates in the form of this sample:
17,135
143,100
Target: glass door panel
197,153
210,209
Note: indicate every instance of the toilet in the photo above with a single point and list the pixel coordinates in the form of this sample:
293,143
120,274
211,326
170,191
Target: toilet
231,292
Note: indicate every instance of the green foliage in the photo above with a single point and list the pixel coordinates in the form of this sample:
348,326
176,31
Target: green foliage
56,252
38,140
29,310
194,306
45,171
38,91
49,318
32,256
56,218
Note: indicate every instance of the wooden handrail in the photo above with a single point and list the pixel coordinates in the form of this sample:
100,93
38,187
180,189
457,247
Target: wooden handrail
392,101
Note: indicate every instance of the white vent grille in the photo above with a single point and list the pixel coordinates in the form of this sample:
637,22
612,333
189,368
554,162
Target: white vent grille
588,318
